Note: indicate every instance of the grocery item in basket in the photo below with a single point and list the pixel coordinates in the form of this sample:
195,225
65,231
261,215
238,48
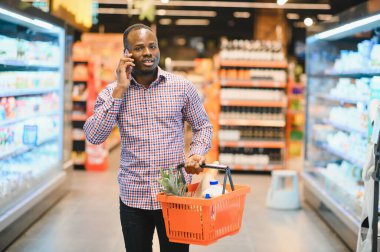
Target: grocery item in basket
207,176
214,190
172,183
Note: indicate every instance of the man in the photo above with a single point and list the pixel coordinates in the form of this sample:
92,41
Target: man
150,107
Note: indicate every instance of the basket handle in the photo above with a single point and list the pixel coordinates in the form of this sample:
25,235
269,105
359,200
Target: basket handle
213,166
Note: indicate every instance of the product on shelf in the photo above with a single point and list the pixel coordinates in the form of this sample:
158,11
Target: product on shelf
253,74
19,51
20,173
251,50
23,107
251,94
255,113
80,72
80,91
366,58
249,156
13,81
355,118
358,89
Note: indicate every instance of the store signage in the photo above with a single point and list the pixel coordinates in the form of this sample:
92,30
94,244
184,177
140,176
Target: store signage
75,12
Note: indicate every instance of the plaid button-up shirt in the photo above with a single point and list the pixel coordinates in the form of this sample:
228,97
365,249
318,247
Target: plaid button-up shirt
151,125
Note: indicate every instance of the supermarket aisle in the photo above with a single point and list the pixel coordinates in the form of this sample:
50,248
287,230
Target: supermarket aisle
87,220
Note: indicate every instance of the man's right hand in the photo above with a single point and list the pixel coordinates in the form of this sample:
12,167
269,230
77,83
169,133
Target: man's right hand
123,71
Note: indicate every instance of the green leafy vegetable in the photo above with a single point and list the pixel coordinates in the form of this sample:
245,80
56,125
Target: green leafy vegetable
172,183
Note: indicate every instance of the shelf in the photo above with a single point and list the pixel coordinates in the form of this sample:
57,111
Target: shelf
13,121
24,92
296,96
78,100
80,60
79,138
247,122
341,99
296,140
318,190
79,117
24,148
352,75
269,167
345,128
292,84
293,111
359,163
80,80
79,162
253,64
17,65
275,144
252,83
244,103
355,75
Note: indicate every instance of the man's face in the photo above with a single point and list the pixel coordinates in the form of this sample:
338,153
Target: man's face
143,46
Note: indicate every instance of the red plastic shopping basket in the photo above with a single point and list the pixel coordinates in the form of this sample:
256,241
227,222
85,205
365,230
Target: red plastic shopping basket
204,221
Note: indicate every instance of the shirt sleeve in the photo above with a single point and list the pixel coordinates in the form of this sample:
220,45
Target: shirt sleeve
195,115
99,126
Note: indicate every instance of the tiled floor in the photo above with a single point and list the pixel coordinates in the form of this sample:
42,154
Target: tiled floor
87,220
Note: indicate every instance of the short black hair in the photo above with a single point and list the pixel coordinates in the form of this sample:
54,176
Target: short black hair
133,27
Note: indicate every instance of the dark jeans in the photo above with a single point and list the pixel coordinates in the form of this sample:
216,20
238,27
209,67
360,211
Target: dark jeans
138,228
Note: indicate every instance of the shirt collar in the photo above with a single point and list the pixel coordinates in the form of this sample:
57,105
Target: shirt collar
161,76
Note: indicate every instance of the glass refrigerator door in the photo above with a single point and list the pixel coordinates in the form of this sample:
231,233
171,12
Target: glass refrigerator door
343,68
31,106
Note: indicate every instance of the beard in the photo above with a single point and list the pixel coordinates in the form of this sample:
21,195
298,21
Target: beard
145,72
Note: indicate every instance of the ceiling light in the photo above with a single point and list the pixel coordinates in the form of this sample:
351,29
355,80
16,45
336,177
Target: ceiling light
192,22
360,25
241,14
118,11
190,13
257,5
292,16
324,17
164,1
165,21
308,21
232,4
281,2
159,12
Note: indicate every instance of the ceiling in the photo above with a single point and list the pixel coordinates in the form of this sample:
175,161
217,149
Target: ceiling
223,24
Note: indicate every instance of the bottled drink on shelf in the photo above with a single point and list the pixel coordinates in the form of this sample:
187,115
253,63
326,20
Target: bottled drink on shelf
253,113
252,94
249,156
247,132
251,50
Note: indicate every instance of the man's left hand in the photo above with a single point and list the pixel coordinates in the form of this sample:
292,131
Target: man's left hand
193,164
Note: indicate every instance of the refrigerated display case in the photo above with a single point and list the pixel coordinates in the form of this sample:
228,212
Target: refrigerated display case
343,69
31,119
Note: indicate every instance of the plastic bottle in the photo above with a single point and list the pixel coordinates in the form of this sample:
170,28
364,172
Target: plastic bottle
214,190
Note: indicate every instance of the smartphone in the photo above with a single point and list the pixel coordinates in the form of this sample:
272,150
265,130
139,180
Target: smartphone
131,68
